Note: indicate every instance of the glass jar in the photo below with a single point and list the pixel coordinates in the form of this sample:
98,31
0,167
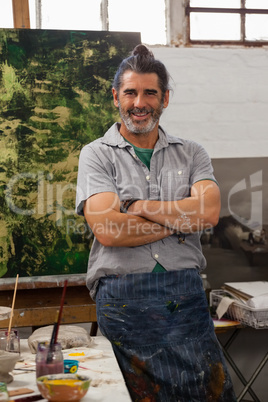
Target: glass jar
3,392
49,360
10,341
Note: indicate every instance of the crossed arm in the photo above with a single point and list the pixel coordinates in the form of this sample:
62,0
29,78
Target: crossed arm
147,221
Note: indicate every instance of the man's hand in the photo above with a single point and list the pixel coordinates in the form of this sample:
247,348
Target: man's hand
198,212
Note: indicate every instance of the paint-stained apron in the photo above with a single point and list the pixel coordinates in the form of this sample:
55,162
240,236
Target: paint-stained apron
163,337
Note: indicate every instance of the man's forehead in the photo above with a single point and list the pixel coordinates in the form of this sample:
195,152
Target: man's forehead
133,79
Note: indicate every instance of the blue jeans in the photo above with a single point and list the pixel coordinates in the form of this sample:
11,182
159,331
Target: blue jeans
163,337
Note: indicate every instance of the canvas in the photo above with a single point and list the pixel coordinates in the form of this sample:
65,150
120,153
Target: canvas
55,97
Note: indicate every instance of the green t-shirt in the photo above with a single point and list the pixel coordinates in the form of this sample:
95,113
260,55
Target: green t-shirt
145,154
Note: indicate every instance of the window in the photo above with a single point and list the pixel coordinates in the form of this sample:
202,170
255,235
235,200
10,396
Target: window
6,15
160,22
62,14
227,21
144,16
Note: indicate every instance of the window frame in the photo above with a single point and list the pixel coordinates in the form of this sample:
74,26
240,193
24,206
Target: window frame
177,16
242,11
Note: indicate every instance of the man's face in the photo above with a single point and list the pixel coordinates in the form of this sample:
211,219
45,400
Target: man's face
140,102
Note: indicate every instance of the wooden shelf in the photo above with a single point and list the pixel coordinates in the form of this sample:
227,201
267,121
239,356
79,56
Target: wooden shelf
38,300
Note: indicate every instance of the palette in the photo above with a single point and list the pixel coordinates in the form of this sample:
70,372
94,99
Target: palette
82,354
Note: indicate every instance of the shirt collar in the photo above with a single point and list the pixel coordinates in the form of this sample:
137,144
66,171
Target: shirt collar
113,138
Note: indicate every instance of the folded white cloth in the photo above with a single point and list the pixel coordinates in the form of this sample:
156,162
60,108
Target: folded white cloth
223,306
259,301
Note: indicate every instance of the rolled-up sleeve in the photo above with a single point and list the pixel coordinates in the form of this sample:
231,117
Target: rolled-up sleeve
202,168
93,177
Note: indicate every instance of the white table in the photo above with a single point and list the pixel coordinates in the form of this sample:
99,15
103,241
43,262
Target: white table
101,365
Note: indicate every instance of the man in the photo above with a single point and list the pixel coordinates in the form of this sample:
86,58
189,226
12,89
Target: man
146,196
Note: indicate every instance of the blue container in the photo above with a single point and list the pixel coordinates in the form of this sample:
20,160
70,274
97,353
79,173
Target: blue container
71,366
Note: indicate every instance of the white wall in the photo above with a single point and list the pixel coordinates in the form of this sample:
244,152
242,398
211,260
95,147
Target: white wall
221,101
220,98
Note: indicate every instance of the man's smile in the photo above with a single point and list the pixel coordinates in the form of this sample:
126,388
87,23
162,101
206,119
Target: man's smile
140,114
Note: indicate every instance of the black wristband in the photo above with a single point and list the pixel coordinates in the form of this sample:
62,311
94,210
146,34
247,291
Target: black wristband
181,238
126,204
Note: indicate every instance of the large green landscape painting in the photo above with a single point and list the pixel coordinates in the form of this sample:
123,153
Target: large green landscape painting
55,96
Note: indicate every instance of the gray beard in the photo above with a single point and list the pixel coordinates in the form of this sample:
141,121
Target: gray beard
143,129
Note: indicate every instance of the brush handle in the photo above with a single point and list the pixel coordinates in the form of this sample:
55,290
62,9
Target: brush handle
61,308
52,340
55,331
13,304
28,398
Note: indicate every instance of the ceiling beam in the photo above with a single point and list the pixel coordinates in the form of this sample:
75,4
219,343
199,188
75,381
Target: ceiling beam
21,15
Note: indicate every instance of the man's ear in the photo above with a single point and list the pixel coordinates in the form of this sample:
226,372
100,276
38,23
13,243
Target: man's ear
166,99
115,96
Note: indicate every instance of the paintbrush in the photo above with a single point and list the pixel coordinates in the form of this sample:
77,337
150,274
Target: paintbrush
53,336
52,340
55,330
61,308
28,398
12,311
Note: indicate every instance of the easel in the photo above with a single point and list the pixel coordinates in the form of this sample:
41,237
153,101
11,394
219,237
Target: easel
21,15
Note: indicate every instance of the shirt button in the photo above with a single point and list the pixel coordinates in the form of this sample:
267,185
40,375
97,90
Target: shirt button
180,172
148,177
156,255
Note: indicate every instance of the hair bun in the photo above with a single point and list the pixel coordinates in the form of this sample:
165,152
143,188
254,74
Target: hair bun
142,50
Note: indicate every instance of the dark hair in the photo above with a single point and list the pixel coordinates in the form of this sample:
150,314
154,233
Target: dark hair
142,61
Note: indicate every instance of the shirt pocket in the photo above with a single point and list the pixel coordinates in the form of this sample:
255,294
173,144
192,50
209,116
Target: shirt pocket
174,184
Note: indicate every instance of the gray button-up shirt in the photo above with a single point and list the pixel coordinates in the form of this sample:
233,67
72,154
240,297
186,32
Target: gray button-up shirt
110,164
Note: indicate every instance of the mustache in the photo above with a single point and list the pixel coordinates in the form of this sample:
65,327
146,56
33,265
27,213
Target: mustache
140,110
